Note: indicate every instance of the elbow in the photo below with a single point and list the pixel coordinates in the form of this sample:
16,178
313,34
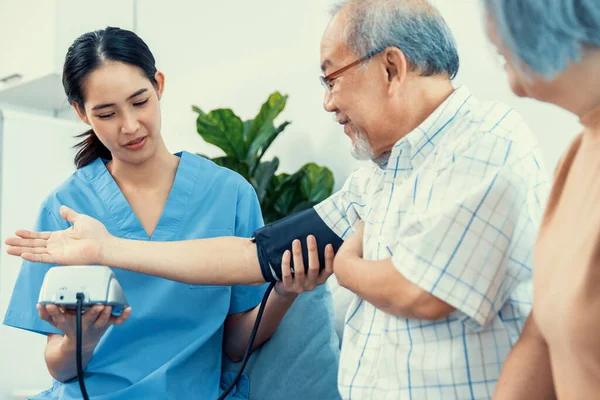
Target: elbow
420,305
57,374
234,351
235,356
434,311
55,363
58,377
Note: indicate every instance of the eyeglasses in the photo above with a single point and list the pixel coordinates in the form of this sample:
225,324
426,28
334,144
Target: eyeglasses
327,81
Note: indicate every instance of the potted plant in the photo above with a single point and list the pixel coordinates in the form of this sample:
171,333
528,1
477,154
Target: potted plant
245,143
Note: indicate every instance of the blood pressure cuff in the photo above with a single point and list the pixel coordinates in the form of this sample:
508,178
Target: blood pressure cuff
274,239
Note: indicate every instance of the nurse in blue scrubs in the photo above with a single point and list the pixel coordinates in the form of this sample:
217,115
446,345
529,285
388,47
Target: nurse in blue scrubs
170,342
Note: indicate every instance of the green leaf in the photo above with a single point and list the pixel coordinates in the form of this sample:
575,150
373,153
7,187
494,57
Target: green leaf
262,142
245,143
263,176
286,193
264,120
283,180
270,215
223,129
316,183
247,126
287,199
301,206
233,164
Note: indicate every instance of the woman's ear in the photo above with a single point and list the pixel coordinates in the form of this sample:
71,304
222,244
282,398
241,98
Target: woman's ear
160,83
80,113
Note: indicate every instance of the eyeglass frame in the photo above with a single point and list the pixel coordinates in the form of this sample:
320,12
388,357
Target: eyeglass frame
328,79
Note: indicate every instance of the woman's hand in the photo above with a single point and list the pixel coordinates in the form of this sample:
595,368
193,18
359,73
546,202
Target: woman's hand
94,323
82,243
301,281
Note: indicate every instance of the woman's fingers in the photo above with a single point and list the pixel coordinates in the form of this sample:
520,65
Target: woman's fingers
43,313
25,234
56,315
121,318
103,317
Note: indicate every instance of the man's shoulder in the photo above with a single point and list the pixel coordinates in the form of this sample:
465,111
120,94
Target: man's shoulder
360,177
494,130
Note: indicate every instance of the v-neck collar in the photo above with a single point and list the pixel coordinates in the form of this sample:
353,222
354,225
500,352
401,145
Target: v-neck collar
123,215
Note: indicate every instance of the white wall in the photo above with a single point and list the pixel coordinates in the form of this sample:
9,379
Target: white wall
234,54
36,157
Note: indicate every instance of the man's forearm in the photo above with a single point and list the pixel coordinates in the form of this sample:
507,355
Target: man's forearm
369,281
380,283
526,373
215,261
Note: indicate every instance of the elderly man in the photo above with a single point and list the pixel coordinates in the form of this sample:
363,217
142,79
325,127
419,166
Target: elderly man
445,216
451,206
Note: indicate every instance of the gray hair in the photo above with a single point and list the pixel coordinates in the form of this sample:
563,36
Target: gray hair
546,35
413,26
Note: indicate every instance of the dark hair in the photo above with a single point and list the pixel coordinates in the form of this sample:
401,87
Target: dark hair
89,52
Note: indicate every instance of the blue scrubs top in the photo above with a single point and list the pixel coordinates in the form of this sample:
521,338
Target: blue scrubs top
171,346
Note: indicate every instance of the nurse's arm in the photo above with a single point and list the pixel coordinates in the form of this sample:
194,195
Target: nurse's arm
213,261
60,357
238,327
527,368
60,348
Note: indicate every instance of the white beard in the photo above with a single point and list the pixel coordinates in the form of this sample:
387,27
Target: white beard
361,149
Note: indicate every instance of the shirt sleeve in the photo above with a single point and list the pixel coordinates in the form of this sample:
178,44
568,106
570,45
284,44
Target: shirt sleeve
22,312
341,212
458,248
247,220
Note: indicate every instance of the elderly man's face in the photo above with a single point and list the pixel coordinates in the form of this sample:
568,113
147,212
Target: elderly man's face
356,95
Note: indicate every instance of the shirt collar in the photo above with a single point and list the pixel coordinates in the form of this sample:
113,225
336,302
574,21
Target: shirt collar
420,142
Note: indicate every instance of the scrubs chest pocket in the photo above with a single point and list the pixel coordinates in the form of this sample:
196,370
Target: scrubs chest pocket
207,234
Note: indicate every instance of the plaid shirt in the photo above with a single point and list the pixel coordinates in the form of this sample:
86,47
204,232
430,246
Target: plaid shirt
457,208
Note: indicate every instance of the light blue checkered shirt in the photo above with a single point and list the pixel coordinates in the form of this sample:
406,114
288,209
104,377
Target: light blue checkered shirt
457,209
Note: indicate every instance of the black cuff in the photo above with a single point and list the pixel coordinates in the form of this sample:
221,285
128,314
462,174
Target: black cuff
274,239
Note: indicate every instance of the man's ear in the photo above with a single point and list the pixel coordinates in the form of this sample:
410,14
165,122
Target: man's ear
396,65
81,113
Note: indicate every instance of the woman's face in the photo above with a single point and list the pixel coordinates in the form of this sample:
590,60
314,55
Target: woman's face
122,107
522,84
569,89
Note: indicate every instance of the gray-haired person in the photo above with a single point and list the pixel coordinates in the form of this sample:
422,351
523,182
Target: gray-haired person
552,51
451,204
